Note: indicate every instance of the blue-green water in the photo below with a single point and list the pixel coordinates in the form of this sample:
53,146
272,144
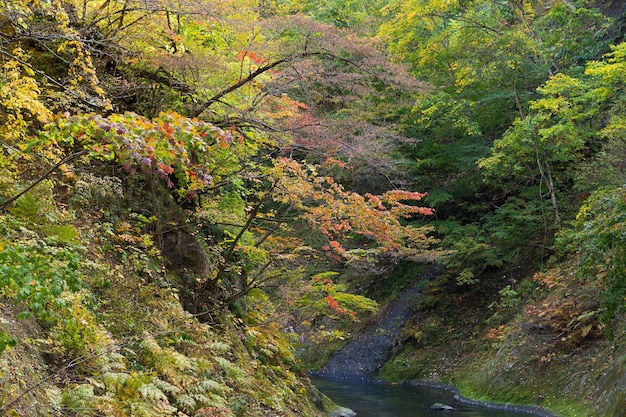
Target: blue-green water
382,400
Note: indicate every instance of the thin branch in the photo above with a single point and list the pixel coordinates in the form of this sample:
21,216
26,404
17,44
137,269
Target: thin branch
233,245
262,70
49,78
245,290
279,222
42,177
475,23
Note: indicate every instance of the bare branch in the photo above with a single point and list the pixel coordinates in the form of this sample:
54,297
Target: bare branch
233,245
262,70
41,178
50,79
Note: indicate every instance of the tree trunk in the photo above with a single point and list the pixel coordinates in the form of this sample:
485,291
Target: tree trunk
546,176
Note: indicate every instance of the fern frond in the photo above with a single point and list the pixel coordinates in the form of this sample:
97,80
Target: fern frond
210,399
219,347
80,400
150,343
166,387
204,366
267,352
186,402
114,380
207,385
152,393
202,399
230,368
114,361
180,361
143,409
55,398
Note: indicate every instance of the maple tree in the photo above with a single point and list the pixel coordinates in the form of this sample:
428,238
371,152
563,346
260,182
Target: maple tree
342,216
350,97
194,160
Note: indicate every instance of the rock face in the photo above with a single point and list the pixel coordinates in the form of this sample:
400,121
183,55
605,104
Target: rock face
363,356
442,407
342,412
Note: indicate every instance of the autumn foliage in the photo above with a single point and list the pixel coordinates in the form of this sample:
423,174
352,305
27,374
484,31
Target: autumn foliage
354,225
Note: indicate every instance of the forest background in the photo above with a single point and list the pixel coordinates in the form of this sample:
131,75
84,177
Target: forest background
202,200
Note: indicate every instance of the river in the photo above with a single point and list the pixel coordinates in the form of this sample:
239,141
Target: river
383,400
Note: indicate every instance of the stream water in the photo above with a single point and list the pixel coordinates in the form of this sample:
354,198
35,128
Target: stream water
361,358
382,400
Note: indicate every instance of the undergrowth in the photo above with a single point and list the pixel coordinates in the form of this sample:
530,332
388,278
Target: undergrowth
113,336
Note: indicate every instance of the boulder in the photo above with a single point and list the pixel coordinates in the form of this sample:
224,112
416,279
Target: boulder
442,407
342,412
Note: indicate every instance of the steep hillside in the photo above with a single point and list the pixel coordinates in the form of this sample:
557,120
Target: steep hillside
539,342
117,341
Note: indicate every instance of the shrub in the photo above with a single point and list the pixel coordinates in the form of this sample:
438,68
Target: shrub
598,237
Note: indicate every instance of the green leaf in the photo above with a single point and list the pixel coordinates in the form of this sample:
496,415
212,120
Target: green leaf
6,341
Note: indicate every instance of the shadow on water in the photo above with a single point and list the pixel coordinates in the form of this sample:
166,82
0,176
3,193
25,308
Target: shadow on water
384,400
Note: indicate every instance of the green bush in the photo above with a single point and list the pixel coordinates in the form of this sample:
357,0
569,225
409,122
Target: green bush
36,274
598,236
